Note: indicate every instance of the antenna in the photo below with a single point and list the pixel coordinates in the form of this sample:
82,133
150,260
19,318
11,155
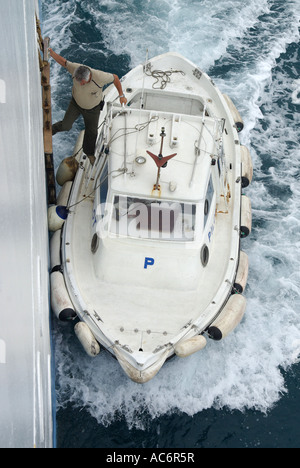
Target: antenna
160,160
144,74
141,100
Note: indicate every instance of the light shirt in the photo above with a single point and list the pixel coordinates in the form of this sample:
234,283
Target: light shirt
89,95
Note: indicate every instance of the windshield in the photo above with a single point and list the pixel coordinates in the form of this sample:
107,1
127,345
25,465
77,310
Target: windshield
153,219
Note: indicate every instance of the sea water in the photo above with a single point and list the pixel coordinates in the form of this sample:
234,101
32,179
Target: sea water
243,392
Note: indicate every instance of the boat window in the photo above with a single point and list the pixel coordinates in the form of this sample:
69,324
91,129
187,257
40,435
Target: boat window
153,219
208,199
104,184
157,101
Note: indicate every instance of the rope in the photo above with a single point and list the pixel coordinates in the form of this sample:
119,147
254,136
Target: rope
163,76
121,171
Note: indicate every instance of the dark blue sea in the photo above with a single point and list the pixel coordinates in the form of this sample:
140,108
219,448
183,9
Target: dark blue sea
243,392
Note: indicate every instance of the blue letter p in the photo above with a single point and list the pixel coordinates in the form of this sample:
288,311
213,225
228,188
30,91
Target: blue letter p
148,262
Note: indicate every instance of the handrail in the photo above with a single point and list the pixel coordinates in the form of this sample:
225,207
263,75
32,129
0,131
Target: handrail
197,146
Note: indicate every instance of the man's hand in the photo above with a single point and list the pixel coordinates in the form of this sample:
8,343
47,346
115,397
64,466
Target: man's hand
118,85
60,60
123,100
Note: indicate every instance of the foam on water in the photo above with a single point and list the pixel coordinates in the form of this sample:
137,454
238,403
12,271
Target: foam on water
296,92
245,46
190,27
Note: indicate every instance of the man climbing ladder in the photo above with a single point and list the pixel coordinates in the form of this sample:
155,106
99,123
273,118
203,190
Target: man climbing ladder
87,100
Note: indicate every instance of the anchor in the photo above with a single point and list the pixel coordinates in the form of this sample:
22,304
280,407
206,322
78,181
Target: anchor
160,160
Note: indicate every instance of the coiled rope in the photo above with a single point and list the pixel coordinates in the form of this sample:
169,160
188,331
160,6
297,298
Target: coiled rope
162,77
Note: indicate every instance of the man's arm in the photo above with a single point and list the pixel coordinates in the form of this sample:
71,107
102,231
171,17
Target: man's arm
62,61
118,85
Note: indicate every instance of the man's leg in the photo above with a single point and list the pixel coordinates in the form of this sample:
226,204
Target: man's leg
91,118
71,115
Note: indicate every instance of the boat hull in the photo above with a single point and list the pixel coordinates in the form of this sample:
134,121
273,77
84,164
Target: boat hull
151,251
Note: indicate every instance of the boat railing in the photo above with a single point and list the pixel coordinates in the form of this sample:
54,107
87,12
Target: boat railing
102,147
214,127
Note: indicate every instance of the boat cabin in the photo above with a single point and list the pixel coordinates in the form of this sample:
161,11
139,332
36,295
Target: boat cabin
172,205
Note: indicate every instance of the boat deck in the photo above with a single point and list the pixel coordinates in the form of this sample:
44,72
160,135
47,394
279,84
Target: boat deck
135,314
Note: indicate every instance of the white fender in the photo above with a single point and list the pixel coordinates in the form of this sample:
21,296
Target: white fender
140,376
247,167
229,318
246,216
69,166
235,113
60,299
190,346
67,170
55,249
64,194
57,215
242,273
87,339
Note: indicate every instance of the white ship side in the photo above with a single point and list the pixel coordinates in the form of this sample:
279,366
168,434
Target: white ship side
25,345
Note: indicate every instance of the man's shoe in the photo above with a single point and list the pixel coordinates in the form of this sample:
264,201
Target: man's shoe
92,159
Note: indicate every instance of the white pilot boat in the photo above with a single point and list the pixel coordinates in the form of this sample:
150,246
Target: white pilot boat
146,255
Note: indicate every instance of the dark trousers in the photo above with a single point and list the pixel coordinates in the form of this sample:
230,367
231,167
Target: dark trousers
90,117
